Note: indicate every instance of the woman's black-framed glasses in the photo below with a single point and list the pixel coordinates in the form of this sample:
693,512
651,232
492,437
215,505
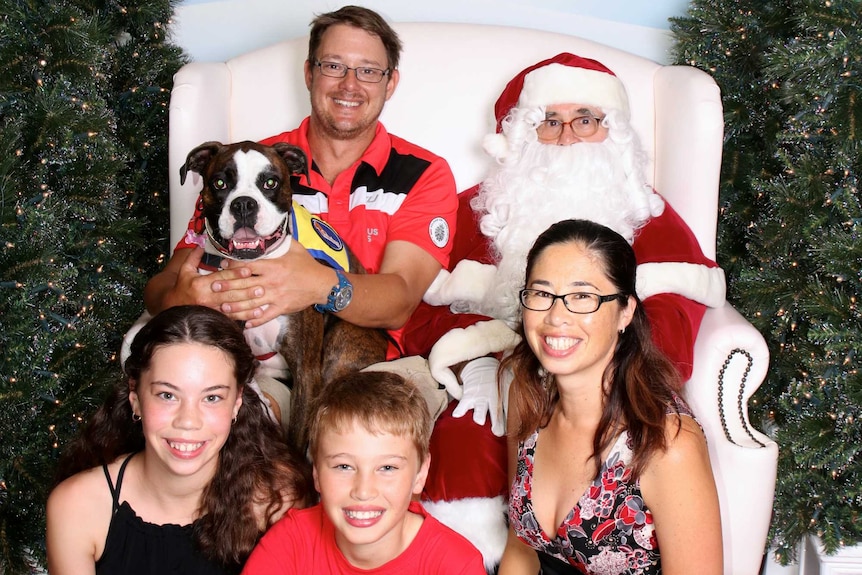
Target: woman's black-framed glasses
575,302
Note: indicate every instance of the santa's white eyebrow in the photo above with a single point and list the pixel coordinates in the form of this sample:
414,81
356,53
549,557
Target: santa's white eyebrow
581,112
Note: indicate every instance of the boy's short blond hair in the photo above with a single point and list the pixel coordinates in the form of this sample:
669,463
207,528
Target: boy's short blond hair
382,402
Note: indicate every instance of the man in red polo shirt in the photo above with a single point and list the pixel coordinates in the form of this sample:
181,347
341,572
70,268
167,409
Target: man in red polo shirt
392,202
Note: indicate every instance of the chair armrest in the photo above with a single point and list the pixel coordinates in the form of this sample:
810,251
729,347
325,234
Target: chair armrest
129,336
730,363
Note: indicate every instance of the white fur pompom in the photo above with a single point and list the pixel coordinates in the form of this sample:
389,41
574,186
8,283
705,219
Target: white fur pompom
496,146
656,204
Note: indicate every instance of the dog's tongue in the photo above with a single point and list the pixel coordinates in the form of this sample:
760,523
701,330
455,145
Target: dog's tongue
245,239
244,234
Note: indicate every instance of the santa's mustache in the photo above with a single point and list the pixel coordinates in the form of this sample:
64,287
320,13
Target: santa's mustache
546,184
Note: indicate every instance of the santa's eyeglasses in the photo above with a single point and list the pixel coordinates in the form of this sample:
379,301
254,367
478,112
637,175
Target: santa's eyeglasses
577,302
582,127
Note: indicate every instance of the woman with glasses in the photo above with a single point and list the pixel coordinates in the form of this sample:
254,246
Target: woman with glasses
610,471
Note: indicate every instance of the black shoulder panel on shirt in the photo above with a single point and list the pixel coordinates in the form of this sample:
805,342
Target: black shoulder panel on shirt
300,189
400,174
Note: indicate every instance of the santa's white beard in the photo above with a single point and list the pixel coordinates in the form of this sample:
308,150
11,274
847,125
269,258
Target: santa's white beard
544,185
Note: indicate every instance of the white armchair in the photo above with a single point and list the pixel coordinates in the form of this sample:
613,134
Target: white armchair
451,74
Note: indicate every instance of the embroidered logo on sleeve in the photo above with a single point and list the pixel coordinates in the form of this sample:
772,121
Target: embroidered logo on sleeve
438,229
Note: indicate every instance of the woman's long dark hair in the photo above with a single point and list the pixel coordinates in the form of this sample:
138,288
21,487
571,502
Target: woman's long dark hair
639,383
256,469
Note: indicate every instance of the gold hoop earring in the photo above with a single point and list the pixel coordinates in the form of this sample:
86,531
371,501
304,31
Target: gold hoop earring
135,417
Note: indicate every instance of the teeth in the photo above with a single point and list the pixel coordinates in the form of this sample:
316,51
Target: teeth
560,343
346,103
363,514
185,447
248,245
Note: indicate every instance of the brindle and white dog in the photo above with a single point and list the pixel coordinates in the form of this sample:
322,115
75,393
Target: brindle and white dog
249,212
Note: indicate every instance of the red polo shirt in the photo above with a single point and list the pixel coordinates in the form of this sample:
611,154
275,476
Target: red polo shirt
395,191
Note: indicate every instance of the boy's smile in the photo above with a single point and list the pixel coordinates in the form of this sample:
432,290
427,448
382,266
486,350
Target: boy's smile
366,481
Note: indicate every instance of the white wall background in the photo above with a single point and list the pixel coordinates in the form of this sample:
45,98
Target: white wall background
217,30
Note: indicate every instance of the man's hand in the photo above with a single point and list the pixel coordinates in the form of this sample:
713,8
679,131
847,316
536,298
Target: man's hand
180,283
207,289
286,284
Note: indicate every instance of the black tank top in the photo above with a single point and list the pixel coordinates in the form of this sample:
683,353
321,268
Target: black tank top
135,547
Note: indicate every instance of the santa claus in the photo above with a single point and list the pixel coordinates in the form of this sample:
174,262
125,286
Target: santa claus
564,149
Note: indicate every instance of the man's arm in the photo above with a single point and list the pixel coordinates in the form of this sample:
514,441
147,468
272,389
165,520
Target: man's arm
296,281
674,319
674,323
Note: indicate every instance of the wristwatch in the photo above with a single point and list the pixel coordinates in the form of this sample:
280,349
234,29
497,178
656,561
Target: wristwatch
339,296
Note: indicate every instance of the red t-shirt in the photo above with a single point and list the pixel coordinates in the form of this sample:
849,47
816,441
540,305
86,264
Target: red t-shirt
303,541
395,191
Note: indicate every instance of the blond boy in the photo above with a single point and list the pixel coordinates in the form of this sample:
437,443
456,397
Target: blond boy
369,447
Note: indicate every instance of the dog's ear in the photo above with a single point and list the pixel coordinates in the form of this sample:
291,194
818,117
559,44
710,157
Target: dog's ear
294,157
198,159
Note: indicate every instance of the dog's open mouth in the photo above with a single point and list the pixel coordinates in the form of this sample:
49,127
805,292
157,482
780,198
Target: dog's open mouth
246,244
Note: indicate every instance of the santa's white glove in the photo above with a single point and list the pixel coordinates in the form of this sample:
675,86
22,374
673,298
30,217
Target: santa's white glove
482,394
466,343
129,337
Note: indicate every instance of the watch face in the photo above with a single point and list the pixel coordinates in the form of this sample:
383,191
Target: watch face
342,298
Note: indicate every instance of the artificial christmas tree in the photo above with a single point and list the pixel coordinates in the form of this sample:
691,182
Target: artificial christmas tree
790,237
83,218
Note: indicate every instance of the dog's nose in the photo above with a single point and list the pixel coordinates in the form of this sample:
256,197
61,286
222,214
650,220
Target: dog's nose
244,210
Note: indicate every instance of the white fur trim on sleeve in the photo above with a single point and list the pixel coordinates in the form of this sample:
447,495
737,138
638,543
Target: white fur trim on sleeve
464,343
468,283
697,282
482,520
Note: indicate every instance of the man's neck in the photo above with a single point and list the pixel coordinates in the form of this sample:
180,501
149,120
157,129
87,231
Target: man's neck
333,156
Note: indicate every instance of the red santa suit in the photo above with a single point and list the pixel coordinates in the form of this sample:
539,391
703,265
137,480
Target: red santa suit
467,483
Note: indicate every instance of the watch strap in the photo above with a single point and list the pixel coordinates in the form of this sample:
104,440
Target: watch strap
334,293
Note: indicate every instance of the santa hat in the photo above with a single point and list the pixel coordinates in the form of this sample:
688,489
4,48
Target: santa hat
565,78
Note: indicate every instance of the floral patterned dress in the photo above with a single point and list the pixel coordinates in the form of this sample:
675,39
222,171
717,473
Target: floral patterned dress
609,532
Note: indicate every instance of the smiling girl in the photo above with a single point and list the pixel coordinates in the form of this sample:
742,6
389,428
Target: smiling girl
180,470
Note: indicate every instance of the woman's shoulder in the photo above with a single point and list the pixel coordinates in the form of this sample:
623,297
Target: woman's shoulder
82,485
684,464
88,486
685,442
78,514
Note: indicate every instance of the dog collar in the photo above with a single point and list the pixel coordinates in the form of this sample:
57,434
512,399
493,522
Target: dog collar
339,297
